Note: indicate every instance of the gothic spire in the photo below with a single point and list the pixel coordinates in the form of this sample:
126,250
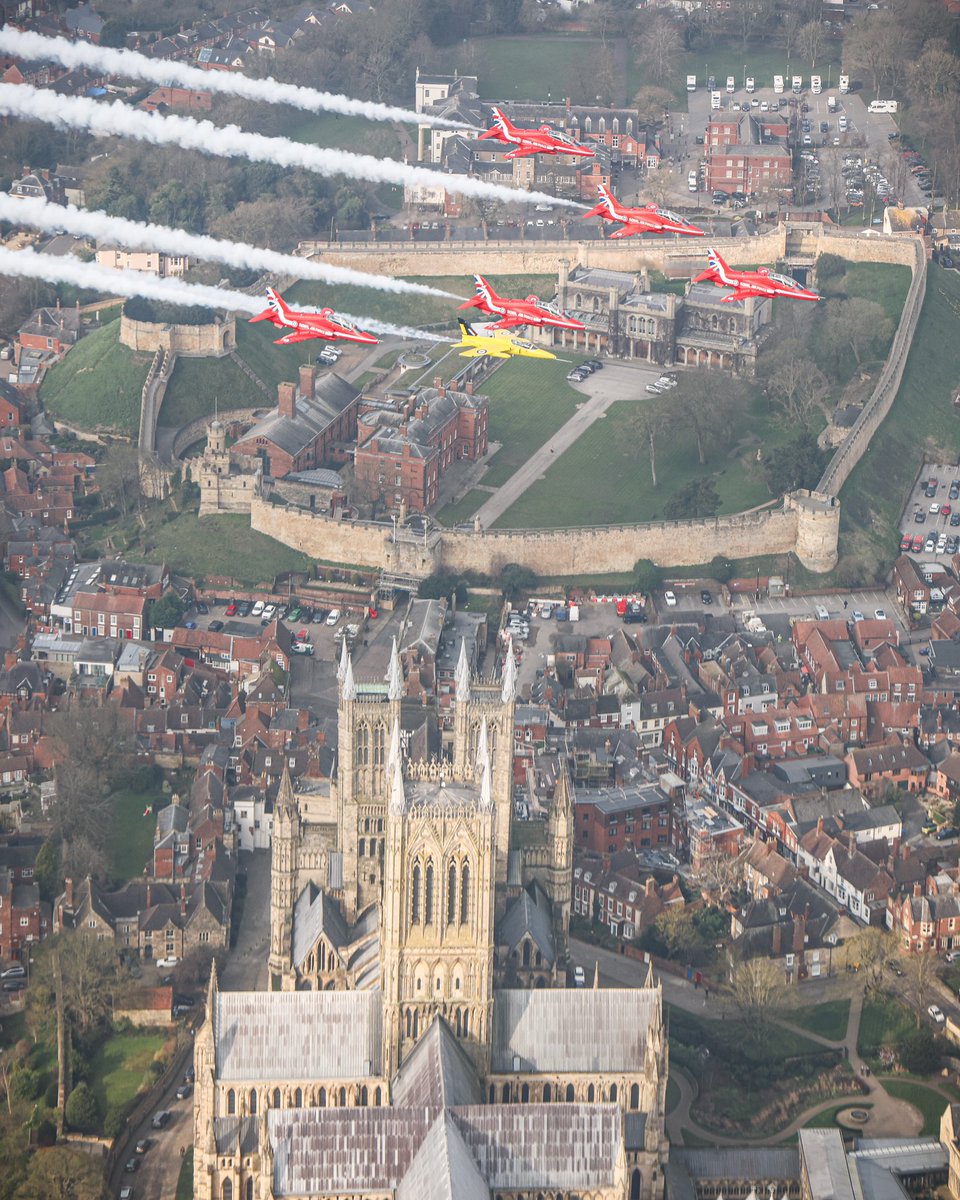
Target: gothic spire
395,675
393,753
286,805
397,795
463,674
342,668
508,692
212,989
483,766
347,688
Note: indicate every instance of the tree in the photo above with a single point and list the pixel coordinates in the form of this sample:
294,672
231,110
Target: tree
92,978
83,1113
647,576
858,325
809,41
799,463
795,384
872,949
721,568
829,267
719,874
921,975
758,989
118,475
919,1052
167,612
935,74
659,46
60,1173
676,928
515,578
648,423
696,499
792,21
652,103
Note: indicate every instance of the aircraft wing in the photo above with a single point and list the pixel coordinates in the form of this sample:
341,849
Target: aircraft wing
299,335
629,229
740,294
525,152
511,322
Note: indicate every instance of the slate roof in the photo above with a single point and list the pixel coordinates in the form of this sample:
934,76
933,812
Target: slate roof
443,1168
314,413
297,1035
313,914
526,916
437,1073
572,1030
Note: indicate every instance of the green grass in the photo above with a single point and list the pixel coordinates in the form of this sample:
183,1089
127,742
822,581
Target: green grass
828,1118
185,1178
130,844
98,384
221,545
922,419
529,401
828,1019
928,1102
13,1027
534,67
348,133
883,1022
200,386
462,509
118,1067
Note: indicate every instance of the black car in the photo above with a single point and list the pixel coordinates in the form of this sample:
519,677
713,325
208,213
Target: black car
919,516
202,609
946,260
594,364
132,1164
14,985
142,1146
948,831
705,596
189,1076
215,626
306,615
243,608
183,1091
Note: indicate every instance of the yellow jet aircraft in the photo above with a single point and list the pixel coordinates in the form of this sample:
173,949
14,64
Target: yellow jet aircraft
496,345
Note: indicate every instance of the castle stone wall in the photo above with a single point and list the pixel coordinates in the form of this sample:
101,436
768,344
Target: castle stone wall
215,340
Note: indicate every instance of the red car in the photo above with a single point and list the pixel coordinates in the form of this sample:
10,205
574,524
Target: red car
905,543
946,511
302,635
917,546
231,609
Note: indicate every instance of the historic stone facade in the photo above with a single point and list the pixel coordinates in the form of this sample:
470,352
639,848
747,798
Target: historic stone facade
215,340
397,892
228,483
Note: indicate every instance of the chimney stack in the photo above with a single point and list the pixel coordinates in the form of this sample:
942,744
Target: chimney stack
287,400
308,380
650,887
68,894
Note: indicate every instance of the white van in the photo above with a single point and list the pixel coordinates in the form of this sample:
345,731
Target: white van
882,106
751,87
692,182
691,83
821,613
715,98
815,85
731,85
797,84
842,123
831,104
778,84
844,84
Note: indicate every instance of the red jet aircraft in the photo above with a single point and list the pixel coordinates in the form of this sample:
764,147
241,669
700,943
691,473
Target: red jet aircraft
545,140
648,219
512,313
762,282
306,325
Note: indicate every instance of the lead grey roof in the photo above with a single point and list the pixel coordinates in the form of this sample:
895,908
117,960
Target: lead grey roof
526,916
565,1146
297,1035
825,1163
443,1168
437,1073
315,913
746,1163
572,1030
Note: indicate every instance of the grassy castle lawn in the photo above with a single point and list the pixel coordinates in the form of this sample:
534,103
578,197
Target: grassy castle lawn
130,843
98,384
119,1067
927,1100
828,1019
199,387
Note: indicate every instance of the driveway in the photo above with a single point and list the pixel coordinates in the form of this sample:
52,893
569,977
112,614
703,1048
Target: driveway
617,381
246,966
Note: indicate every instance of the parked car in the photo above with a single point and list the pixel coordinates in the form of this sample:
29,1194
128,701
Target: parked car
919,516
333,616
202,609
231,609
132,1164
579,978
917,543
670,599
184,1090
934,1013
17,971
905,543
14,985
857,615
879,614
165,964
705,596
952,956
160,1119
948,831
257,609
215,626
142,1146
125,1193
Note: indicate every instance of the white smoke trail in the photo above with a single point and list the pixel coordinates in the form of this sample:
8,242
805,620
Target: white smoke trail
118,120
40,214
131,65
27,264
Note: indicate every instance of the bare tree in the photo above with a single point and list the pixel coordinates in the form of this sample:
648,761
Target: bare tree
921,975
858,324
758,989
659,45
809,41
795,384
792,21
118,475
719,874
869,951
935,74
648,424
651,103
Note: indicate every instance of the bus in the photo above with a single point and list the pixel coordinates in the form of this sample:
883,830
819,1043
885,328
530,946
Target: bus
750,84
691,83
844,84
731,85
815,85
797,84
778,84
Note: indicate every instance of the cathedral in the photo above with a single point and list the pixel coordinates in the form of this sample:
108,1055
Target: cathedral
419,1039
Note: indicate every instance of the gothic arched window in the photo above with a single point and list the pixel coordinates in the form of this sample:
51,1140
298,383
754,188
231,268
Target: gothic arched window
298,1098
415,896
452,894
248,1189
362,751
231,1102
323,1098
226,1190
276,1098
635,1096
569,1093
253,1103
465,894
428,896
379,742
613,1093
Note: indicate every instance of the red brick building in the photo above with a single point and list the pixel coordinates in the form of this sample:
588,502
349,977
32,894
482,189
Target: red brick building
177,97
52,329
622,818
403,450
747,154
311,426
23,917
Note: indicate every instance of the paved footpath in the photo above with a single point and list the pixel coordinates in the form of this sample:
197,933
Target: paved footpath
617,381
889,1117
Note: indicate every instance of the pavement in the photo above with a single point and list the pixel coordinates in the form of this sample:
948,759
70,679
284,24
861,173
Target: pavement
617,381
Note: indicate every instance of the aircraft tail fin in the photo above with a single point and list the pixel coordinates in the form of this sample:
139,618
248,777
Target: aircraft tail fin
275,308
